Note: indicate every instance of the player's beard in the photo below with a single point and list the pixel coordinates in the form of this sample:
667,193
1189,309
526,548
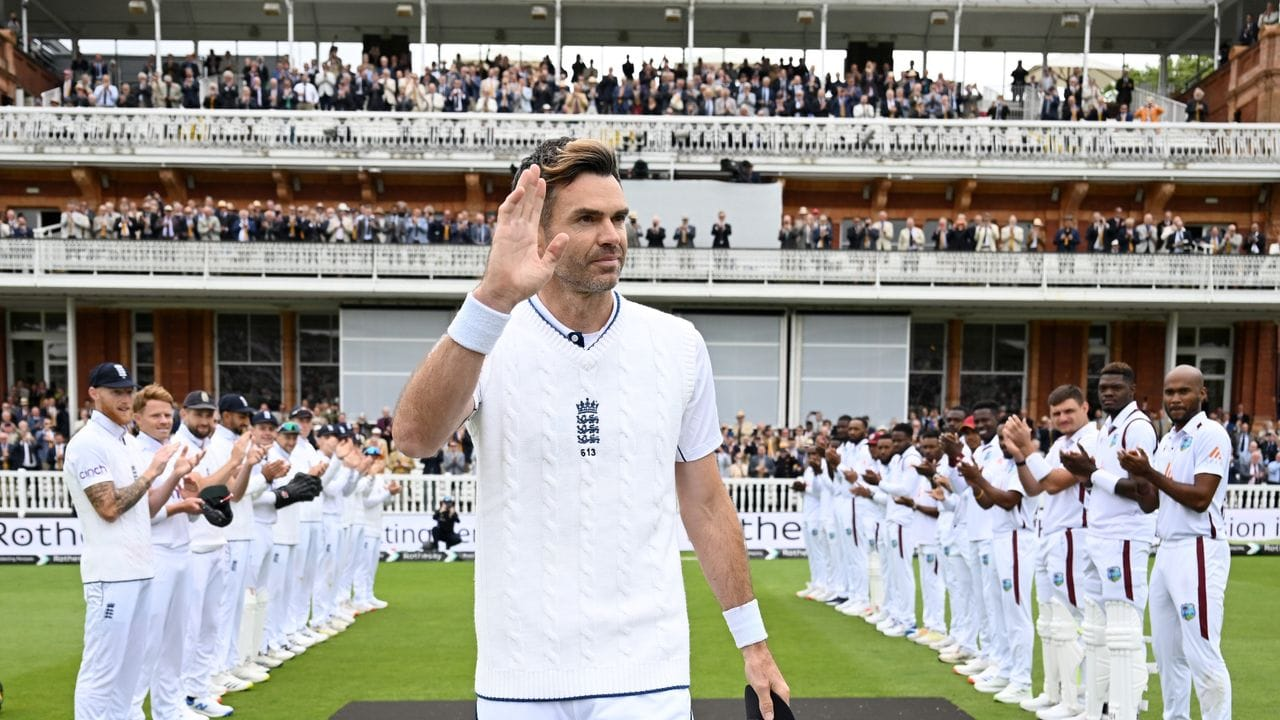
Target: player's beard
580,278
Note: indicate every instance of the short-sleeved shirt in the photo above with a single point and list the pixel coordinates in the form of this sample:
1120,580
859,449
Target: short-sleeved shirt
113,551
1066,509
1202,446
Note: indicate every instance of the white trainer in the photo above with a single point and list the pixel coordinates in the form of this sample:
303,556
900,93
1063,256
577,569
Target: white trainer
971,668
281,654
1013,694
1065,711
853,610
209,707
293,648
992,686
251,672
955,656
377,603
267,661
299,639
229,683
1037,703
804,594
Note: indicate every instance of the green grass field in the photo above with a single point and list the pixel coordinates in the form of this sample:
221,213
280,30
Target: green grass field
422,647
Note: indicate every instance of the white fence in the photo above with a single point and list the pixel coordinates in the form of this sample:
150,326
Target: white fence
44,493
228,138
25,263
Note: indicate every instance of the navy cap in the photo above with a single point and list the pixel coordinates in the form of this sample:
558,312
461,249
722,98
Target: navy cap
111,375
341,430
235,404
302,412
198,400
264,417
325,430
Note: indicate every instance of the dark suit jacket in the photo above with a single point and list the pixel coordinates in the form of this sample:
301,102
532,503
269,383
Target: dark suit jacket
720,235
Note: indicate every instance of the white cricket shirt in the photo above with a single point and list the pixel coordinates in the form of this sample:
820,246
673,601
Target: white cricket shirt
1202,446
1066,509
1112,516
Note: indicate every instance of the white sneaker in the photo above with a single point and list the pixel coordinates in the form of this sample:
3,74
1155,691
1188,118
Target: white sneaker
971,668
295,649
364,607
896,631
1064,711
281,654
993,685
343,616
209,707
878,617
955,656
944,644
1037,703
314,635
325,629
378,604
991,672
299,639
804,594
1013,694
853,610
187,713
251,672
267,661
230,683
885,624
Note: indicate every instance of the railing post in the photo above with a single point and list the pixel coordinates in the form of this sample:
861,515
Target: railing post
22,493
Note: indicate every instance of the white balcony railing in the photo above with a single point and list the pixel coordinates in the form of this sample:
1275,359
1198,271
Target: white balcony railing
44,493
28,263
420,140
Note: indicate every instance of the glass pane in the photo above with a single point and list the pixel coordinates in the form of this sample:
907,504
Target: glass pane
264,338
58,376
924,392
1186,359
233,338
146,374
55,322
1004,389
928,346
318,322
1097,336
1097,361
976,354
1215,337
1091,396
258,383
1217,391
144,353
315,347
57,352
319,383
20,321
1186,337
142,322
1213,366
1010,347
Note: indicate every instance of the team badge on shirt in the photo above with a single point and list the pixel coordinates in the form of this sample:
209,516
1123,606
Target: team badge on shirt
1006,584
930,558
1188,611
1114,439
1186,443
1059,579
1114,573
946,550
986,559
588,422
893,543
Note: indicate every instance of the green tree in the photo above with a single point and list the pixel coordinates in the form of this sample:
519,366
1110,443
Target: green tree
1184,71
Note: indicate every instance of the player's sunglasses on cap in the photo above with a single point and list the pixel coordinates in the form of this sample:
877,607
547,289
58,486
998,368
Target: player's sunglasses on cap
290,428
111,375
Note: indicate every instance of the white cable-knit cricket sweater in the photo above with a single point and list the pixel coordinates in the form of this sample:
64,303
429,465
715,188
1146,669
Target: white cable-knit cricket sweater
578,577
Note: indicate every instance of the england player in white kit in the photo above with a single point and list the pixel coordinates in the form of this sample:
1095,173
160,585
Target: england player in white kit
595,426
1063,552
1119,541
1189,471
108,486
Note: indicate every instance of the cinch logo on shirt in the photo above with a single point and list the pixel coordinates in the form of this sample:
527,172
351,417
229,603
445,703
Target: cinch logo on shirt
1188,611
94,471
986,560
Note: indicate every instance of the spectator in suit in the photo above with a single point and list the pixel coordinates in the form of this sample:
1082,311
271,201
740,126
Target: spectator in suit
961,236
1036,241
999,109
633,231
883,232
855,235
1012,236
1097,236
1049,105
1146,235
1197,108
243,227
684,234
655,234
1255,243
1067,239
910,237
208,226
788,235
23,454
416,228
720,232
939,240
272,227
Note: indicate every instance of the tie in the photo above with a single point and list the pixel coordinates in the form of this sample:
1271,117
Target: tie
26,455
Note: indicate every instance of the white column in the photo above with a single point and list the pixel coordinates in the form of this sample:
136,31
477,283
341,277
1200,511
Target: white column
559,48
422,29
688,51
822,45
1084,68
955,47
155,10
293,50
73,368
1171,342
26,41
1217,33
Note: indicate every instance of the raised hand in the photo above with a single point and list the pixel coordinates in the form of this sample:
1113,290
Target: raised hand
190,506
275,469
186,463
518,267
241,448
1078,464
871,476
1017,432
1135,462
951,446
927,469
970,471
318,469
161,458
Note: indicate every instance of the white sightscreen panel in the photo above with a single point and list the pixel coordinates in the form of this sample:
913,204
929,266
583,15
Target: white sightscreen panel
380,349
754,211
854,364
744,359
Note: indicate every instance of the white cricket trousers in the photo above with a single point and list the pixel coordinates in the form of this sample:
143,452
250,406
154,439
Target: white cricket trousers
664,705
230,655
1014,553
815,546
843,547
959,579
859,559
900,581
932,588
279,574
208,594
366,562
307,552
1186,626
166,629
347,563
324,591
115,636
984,600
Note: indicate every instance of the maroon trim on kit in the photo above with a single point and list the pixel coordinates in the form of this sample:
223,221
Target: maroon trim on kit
1084,511
1071,573
1017,590
1128,578
854,505
901,552
1202,592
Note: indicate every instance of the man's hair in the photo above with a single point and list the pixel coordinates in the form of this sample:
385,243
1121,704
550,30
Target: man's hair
903,428
1063,393
958,408
149,393
1121,369
930,433
991,405
845,418
562,160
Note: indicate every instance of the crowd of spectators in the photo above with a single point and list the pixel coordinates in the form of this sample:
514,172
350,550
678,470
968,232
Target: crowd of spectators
1122,232
381,83
34,427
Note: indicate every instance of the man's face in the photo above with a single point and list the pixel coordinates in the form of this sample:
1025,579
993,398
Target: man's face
1114,393
327,444
115,403
955,420
590,210
199,422
1183,397
857,430
287,441
264,434
984,421
901,441
884,449
931,448
156,420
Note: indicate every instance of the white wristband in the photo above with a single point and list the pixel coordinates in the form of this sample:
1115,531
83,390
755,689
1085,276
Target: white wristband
745,624
1105,480
477,326
1038,466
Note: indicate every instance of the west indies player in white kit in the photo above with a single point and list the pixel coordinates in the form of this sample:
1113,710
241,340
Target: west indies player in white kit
1187,481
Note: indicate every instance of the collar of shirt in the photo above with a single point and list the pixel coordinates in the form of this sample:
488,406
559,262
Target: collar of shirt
106,423
1121,417
148,443
1192,425
189,438
587,338
220,431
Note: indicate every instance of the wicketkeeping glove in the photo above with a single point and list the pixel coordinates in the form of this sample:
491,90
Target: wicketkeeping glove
301,488
217,505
